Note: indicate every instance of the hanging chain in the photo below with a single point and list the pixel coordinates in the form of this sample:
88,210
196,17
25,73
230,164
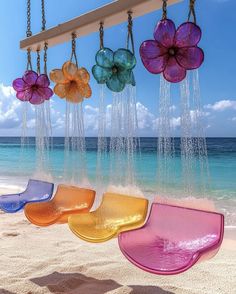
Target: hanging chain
38,62
28,34
43,15
164,9
28,31
45,57
192,11
29,62
73,47
101,34
130,36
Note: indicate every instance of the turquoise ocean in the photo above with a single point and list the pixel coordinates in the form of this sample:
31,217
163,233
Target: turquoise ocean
15,170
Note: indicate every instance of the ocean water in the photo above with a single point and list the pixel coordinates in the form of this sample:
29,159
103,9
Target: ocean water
16,167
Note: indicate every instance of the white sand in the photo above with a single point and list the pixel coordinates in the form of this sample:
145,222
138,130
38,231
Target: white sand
52,260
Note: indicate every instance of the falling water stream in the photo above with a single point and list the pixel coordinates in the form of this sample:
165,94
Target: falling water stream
193,160
195,171
123,142
43,137
102,145
75,171
166,148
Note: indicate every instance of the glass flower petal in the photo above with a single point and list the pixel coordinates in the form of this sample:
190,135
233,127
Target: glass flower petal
156,65
72,93
101,74
114,84
30,77
19,85
104,58
57,76
125,59
190,57
43,81
21,96
132,80
37,97
46,93
28,94
85,90
188,34
151,49
173,72
69,70
60,90
124,76
82,75
164,33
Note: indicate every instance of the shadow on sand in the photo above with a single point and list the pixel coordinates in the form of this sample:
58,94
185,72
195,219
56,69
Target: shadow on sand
67,282
3,291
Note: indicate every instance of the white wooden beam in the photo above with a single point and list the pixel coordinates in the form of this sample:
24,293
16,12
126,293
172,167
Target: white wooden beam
111,14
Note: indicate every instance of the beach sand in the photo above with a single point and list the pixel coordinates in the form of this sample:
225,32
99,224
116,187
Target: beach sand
52,260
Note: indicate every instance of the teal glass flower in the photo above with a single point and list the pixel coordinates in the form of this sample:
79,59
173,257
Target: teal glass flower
115,69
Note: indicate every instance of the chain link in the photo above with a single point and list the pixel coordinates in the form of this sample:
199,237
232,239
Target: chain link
28,29
130,36
192,11
101,34
73,47
164,9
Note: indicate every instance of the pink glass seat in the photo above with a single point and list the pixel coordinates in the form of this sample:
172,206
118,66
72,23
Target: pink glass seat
173,239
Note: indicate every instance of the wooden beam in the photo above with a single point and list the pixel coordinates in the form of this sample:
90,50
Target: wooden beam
111,14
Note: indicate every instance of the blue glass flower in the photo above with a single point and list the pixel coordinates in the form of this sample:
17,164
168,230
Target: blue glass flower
114,68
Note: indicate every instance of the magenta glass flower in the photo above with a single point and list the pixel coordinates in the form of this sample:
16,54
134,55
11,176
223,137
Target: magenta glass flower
173,52
32,87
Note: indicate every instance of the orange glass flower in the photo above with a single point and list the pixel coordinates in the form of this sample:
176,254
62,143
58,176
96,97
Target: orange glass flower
72,83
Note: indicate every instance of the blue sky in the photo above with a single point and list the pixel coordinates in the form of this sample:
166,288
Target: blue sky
217,75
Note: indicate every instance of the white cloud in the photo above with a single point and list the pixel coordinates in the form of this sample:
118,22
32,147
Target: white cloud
11,111
146,120
10,108
222,105
175,122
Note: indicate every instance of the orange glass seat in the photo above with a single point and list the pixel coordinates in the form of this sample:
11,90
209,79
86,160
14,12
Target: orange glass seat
67,200
116,214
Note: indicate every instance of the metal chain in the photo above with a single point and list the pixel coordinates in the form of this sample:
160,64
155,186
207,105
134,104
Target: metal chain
28,34
43,15
28,30
43,29
73,47
45,57
192,11
101,34
29,62
38,62
164,9
130,36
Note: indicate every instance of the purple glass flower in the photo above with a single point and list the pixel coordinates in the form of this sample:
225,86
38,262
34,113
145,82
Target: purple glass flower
173,51
32,87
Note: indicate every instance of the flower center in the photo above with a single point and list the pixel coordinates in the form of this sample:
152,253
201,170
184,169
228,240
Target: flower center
35,87
172,51
114,70
73,83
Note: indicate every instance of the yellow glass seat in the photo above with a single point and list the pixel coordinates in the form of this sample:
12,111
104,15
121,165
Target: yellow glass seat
68,200
116,214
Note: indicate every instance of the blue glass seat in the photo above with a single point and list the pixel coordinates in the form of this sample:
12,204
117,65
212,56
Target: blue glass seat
36,191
